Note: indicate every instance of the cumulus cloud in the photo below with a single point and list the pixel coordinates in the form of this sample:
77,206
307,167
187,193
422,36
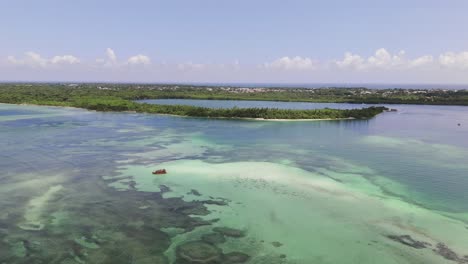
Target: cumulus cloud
112,61
65,59
351,67
109,61
352,61
13,60
139,60
294,63
454,60
382,59
421,61
111,55
34,59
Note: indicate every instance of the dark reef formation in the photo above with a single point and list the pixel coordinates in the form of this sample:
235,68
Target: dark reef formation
206,250
214,238
449,254
409,241
119,227
276,244
194,192
236,257
440,248
229,232
200,252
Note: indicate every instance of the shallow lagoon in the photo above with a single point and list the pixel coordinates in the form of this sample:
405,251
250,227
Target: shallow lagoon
76,187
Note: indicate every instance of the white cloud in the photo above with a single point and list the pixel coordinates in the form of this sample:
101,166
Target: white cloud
111,60
33,59
111,55
422,61
65,59
454,60
380,66
352,61
139,59
382,59
13,60
295,63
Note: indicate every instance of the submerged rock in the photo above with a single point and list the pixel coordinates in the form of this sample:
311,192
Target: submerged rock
447,253
214,238
132,185
235,257
276,244
440,249
409,241
214,202
187,208
198,252
194,192
201,252
164,188
151,260
229,232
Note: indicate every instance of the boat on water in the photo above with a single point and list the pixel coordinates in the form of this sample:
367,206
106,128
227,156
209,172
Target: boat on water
162,171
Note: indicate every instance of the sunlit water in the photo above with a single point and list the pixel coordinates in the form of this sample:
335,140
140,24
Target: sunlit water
76,187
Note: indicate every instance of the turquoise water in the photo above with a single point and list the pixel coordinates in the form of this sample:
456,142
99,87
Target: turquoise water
76,187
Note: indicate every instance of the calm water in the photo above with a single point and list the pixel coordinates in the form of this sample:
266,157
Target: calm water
76,187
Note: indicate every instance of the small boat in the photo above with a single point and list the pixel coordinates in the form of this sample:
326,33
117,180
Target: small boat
162,171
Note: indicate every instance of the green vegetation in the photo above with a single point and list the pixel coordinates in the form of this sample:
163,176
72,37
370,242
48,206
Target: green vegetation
337,95
121,98
319,95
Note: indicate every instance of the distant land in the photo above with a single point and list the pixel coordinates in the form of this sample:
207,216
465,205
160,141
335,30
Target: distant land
342,85
426,86
125,97
60,93
120,97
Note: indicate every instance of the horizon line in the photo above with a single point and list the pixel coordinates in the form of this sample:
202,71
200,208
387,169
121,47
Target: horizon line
256,84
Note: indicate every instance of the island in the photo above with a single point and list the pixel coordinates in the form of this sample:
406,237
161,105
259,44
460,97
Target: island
124,97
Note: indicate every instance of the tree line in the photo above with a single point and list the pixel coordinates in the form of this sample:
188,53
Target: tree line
93,98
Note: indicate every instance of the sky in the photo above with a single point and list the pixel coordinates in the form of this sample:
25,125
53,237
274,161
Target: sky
242,41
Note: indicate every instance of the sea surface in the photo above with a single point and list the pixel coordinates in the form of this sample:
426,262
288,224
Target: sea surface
76,187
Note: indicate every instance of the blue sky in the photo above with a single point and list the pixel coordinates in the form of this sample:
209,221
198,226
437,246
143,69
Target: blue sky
235,41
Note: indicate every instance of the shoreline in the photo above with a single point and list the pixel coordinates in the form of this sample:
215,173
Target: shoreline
293,120
185,116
